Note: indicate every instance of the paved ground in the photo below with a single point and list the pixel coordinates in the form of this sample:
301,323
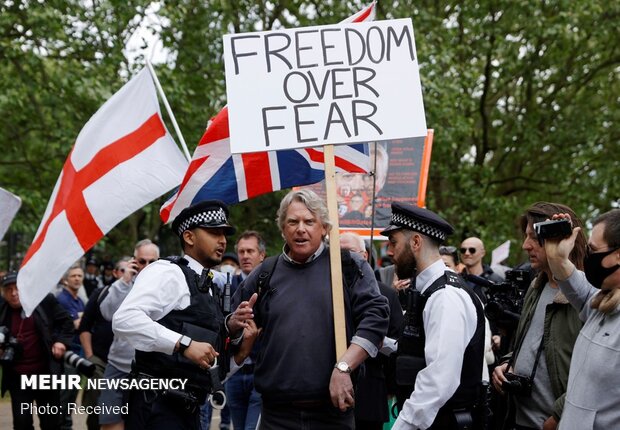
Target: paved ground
6,417
79,421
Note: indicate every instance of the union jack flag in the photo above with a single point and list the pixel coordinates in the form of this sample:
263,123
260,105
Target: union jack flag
216,174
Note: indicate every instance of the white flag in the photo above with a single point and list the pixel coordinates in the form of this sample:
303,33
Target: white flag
122,159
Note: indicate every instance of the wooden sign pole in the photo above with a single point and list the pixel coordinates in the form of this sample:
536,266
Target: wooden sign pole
340,332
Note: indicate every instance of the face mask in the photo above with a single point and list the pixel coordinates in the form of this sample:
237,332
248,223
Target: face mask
595,273
227,268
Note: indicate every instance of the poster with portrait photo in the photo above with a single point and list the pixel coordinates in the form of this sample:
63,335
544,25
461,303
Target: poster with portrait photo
400,174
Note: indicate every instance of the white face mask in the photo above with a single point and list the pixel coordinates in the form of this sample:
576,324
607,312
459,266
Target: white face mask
227,268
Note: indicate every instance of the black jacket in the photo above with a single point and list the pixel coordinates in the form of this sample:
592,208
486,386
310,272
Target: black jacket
376,376
53,325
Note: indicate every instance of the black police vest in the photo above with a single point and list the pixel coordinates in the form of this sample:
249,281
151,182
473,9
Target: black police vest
202,321
414,338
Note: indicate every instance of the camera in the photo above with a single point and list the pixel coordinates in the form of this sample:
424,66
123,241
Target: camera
553,229
517,384
506,298
9,345
82,365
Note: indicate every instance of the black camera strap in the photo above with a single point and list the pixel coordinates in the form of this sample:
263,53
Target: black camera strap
538,353
513,359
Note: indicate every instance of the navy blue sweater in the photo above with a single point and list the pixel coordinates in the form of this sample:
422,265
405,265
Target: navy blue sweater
297,352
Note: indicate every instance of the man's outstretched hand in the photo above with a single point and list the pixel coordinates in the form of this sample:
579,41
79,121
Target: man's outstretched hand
238,320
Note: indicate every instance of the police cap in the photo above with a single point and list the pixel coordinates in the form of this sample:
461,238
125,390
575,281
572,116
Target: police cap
418,219
205,214
9,278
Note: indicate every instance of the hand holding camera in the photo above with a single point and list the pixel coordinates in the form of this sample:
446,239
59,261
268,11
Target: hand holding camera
132,269
559,249
517,384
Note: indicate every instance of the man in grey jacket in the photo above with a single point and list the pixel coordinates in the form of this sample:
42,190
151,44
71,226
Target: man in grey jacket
121,352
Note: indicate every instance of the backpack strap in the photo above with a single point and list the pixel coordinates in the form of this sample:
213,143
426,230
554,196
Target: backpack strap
267,268
351,272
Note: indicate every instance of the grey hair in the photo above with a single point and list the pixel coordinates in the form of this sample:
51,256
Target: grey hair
313,202
262,245
73,267
360,240
144,242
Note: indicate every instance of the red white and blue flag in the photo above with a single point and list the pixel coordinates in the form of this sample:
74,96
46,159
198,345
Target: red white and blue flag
214,173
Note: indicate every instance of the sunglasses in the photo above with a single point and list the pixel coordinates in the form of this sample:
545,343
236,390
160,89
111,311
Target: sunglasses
472,251
144,262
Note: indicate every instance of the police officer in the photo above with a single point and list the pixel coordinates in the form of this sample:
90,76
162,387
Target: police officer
173,319
440,352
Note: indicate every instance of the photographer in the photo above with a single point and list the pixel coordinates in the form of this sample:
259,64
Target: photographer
31,345
535,374
593,389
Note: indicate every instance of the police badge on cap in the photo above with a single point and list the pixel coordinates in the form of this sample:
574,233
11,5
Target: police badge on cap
206,214
418,219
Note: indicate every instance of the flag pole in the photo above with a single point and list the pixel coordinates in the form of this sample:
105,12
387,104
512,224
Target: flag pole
340,334
169,110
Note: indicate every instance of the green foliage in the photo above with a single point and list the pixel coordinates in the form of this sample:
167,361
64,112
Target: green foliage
522,95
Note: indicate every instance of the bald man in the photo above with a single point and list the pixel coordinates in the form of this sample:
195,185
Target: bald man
472,254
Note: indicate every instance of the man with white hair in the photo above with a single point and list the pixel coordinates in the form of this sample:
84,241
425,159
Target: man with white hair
302,382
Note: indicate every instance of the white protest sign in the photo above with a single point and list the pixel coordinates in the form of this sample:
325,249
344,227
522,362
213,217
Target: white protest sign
333,84
500,253
9,205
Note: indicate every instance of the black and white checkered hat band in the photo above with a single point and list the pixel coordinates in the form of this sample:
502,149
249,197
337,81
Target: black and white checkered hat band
206,218
428,230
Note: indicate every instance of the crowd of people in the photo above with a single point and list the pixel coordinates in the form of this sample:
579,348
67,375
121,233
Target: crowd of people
258,331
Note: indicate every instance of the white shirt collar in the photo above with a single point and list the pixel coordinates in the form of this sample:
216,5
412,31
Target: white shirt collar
429,275
219,278
285,250
194,264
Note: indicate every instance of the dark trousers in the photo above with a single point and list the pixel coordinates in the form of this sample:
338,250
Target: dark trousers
243,400
159,413
368,425
90,397
322,418
66,397
22,416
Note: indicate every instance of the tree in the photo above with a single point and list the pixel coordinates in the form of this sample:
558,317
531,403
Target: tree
523,97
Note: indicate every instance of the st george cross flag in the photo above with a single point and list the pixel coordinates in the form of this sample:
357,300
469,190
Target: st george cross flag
9,205
216,174
122,159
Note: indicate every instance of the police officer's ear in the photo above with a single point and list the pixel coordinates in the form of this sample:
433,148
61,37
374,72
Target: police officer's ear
415,241
189,237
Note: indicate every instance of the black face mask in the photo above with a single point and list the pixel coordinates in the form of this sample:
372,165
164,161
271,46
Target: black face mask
595,273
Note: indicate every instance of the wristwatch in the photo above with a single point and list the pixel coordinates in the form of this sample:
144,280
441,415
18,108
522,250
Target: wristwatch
343,367
184,343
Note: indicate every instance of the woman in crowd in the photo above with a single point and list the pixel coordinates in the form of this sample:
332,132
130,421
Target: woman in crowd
594,382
